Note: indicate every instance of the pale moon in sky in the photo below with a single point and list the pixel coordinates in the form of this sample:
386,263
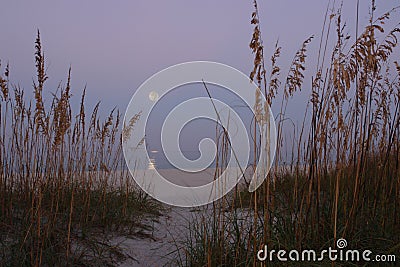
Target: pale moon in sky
153,96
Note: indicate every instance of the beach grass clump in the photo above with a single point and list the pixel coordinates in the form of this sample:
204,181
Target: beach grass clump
338,175
64,187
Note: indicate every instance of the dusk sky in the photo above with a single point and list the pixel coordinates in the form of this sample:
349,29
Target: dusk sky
114,46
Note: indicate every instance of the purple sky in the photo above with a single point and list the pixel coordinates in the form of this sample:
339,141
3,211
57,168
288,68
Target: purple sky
113,46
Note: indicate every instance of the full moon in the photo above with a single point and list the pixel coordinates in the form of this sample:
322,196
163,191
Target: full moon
153,96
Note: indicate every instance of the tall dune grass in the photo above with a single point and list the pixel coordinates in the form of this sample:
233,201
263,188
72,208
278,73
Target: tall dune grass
343,176
63,185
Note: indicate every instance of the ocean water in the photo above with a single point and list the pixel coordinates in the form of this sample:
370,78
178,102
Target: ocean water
158,159
159,162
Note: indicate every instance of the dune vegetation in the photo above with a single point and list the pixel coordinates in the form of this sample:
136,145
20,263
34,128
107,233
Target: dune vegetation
63,185
341,174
